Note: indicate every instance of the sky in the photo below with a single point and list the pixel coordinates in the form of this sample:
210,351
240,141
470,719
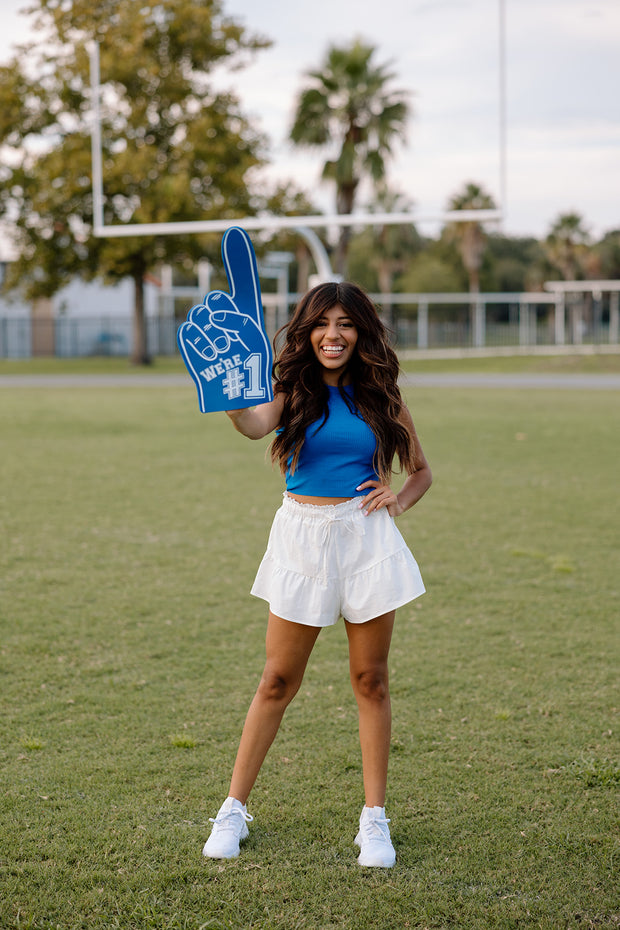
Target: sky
561,102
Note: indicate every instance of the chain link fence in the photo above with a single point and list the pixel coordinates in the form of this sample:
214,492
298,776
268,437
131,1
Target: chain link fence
418,321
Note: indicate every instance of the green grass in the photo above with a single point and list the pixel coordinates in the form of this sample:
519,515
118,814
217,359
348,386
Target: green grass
588,363
130,648
561,364
92,365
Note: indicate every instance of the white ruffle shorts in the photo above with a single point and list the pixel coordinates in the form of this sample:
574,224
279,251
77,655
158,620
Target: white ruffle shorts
324,562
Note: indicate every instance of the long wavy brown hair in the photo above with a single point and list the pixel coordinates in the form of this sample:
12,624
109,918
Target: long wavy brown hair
373,371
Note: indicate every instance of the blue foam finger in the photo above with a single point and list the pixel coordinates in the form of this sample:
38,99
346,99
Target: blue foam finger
242,272
223,342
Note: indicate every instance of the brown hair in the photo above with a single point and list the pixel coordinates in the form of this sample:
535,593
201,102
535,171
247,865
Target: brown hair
373,371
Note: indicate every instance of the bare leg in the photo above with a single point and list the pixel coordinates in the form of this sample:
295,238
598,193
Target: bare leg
369,646
288,648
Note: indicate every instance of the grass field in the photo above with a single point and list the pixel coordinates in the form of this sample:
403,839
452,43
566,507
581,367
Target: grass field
131,527
587,362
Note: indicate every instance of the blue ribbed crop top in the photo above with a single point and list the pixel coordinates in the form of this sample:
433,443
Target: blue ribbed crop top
337,455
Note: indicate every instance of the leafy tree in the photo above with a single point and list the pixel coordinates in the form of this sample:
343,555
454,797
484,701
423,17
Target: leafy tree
174,147
431,272
392,245
567,246
608,252
349,104
511,263
381,253
470,236
359,267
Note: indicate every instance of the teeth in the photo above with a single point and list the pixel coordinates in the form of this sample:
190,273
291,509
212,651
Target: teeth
333,350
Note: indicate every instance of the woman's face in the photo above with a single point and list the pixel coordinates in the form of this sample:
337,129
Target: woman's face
333,340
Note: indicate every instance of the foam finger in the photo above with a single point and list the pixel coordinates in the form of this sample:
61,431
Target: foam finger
196,341
242,272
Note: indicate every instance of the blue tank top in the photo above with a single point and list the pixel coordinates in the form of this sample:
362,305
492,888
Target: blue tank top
337,454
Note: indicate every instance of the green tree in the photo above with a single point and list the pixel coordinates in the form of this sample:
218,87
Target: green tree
393,245
511,263
350,106
608,252
174,147
381,253
567,246
470,237
431,273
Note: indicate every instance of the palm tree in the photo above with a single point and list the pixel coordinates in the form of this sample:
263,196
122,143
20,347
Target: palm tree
349,104
470,236
569,252
392,247
567,246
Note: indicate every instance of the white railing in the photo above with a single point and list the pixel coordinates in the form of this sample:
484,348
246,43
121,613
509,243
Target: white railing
489,321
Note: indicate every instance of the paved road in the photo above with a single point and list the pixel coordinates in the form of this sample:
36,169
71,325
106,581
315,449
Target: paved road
574,382
68,381
608,382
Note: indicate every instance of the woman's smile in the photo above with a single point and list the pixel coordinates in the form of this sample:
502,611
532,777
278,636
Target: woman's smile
332,351
333,339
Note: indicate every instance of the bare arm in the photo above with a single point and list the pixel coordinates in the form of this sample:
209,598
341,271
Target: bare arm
416,484
256,422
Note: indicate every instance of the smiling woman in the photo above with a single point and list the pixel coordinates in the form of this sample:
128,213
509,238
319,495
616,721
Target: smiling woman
334,549
333,339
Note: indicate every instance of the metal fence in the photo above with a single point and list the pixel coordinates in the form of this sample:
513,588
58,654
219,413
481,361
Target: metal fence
422,321
22,337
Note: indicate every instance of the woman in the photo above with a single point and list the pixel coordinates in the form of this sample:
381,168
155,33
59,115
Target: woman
334,549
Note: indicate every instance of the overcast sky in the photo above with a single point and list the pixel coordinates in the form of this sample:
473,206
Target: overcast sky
562,67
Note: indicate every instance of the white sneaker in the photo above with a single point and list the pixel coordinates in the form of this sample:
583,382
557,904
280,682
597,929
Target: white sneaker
229,828
374,839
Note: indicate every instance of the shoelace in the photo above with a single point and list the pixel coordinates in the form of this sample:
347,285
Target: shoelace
373,828
224,819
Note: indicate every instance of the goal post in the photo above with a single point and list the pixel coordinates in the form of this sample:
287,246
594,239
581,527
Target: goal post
249,223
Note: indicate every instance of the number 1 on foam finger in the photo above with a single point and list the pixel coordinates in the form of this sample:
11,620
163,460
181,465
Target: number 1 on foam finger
253,365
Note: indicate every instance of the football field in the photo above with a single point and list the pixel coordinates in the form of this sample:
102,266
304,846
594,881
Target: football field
130,530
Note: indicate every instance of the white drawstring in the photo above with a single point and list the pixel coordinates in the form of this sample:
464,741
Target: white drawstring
326,523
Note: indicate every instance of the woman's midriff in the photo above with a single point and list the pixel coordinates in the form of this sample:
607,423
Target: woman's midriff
317,501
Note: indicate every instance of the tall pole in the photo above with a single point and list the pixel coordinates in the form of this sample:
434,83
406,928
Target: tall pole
502,107
95,138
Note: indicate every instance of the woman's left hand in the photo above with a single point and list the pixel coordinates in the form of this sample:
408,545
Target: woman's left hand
381,496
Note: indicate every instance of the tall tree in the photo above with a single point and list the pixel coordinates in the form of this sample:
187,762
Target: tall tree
381,253
512,263
350,108
608,251
174,147
393,245
569,252
567,246
470,237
